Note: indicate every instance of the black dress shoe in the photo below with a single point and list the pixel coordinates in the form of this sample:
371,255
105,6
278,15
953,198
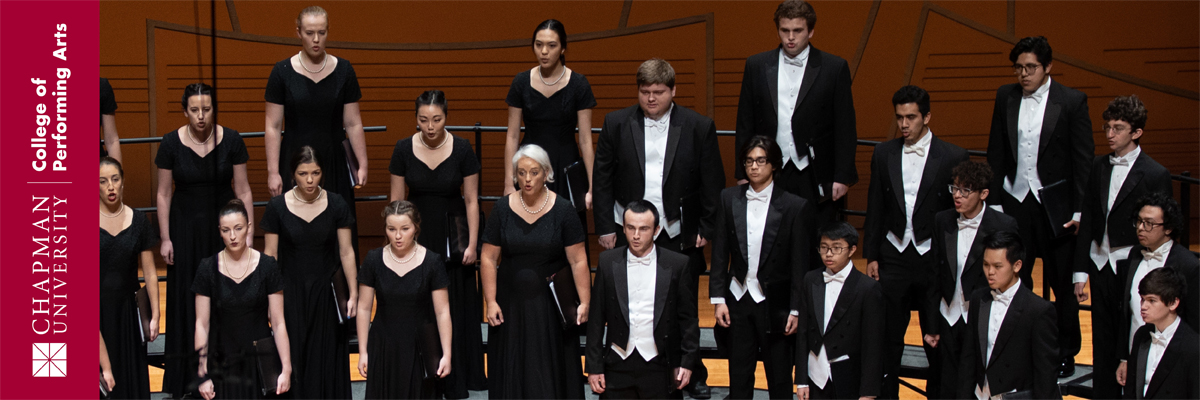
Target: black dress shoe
1067,368
698,390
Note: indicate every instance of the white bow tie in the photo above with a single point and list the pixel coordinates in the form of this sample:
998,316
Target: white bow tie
1119,161
967,223
920,150
833,277
1154,255
640,260
659,125
1158,338
751,195
796,61
1036,96
999,296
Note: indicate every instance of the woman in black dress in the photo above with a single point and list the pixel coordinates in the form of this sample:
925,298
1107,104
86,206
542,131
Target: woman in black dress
534,234
553,101
126,237
447,194
108,122
238,292
412,326
314,97
206,165
308,230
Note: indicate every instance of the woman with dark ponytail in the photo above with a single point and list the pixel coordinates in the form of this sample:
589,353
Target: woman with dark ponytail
201,166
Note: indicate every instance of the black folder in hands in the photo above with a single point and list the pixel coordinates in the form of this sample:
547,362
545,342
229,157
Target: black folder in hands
690,213
458,237
430,346
269,366
142,299
1056,200
341,294
351,161
562,287
577,184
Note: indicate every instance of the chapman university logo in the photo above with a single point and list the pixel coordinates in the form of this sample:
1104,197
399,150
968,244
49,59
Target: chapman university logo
50,360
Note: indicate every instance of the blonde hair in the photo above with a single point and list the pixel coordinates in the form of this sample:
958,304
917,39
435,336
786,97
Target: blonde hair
312,11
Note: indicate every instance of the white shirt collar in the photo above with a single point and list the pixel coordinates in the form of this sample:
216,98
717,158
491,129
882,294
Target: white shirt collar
1165,248
1039,95
1011,292
650,256
978,217
769,189
924,141
802,56
1132,155
845,272
1170,331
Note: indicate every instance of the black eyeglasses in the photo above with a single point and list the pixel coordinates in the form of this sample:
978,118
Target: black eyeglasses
754,161
835,250
960,191
1027,69
1146,225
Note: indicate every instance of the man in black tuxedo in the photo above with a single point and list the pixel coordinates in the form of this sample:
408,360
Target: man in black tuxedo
839,349
1167,358
641,294
909,175
760,255
1012,331
1158,222
1117,181
1041,137
958,267
800,96
668,155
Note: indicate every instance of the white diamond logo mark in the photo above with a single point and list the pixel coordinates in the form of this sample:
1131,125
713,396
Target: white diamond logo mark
49,360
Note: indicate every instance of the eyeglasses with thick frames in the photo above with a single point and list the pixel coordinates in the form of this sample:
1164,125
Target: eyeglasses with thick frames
1027,69
835,250
755,161
1117,128
1146,225
960,191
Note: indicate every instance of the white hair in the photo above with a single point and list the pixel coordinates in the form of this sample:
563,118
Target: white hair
535,153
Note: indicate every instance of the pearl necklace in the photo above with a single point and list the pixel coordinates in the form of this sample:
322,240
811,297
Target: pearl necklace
193,138
406,260
544,202
301,59
228,264
560,76
445,139
300,199
117,214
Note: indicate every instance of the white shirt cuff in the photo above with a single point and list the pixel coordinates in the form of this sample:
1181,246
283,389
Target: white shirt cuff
794,313
608,234
1079,277
798,387
1077,217
716,300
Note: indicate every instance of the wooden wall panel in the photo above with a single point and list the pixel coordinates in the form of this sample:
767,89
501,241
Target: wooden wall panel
955,49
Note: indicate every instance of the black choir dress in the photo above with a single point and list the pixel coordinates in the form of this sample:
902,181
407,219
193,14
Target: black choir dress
238,316
108,106
312,116
404,306
437,193
202,186
550,122
309,255
119,320
530,355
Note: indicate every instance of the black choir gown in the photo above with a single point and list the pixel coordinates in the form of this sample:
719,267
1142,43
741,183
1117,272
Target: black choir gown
312,116
308,258
437,193
202,186
108,105
238,316
403,304
530,355
550,122
119,320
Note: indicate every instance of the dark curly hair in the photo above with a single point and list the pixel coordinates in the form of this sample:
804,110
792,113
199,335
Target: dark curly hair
791,9
1172,216
972,175
1127,108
